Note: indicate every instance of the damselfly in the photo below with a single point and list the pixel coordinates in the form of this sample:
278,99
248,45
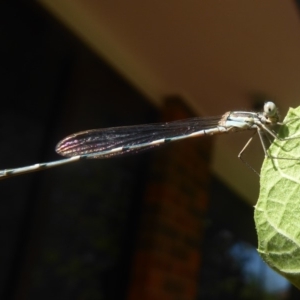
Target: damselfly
114,141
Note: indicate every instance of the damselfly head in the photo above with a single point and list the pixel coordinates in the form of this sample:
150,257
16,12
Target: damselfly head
271,112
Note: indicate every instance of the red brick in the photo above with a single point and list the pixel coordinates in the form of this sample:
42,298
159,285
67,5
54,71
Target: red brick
167,262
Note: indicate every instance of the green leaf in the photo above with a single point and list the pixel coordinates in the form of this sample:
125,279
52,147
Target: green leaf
277,212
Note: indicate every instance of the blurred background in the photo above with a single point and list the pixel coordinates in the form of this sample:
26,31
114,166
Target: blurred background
171,223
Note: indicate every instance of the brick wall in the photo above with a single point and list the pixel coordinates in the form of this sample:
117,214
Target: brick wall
168,254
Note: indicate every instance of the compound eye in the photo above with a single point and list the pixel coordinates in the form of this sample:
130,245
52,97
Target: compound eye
270,109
